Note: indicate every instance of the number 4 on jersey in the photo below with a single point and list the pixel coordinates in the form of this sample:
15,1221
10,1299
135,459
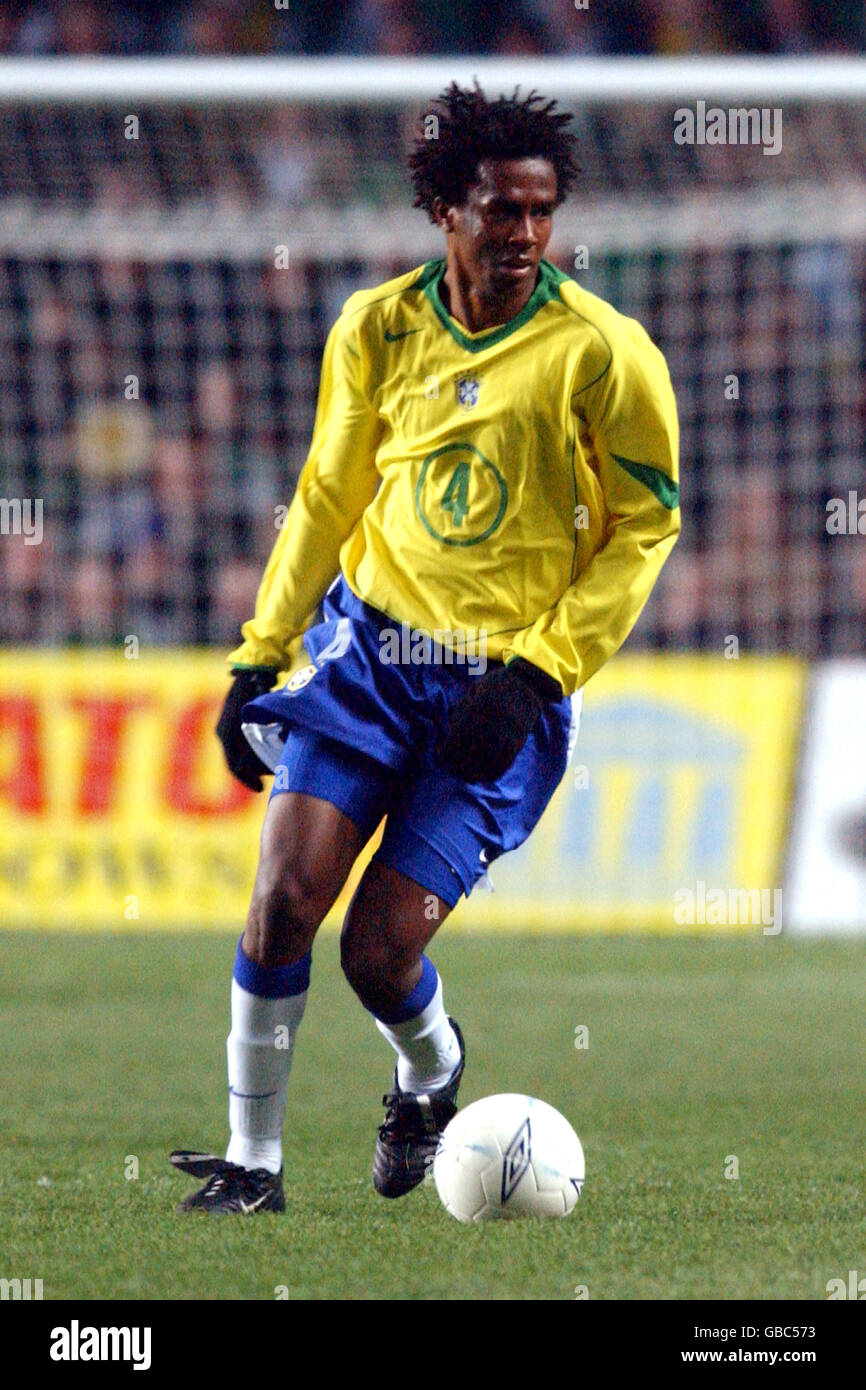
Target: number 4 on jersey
456,496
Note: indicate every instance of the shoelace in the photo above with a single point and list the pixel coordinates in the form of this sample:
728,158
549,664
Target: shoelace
220,1180
397,1117
406,1117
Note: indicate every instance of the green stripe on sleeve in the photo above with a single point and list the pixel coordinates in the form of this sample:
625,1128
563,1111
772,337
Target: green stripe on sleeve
659,484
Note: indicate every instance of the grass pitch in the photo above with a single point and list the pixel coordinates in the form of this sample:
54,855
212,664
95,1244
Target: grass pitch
701,1052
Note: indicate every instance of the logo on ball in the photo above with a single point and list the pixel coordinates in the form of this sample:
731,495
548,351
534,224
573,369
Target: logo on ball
516,1159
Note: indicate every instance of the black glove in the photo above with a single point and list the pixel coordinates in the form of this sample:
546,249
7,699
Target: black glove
490,724
248,683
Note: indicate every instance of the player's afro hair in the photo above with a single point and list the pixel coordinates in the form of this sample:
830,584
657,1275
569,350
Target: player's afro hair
468,128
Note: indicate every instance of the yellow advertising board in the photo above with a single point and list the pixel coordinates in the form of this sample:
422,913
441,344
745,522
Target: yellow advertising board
115,804
116,810
679,794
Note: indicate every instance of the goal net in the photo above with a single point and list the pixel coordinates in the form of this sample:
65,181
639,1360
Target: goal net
176,239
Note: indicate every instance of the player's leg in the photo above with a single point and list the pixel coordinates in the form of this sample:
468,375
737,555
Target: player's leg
438,843
308,847
389,923
325,804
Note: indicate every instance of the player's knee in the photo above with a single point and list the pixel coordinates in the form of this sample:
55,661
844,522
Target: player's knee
287,906
355,963
376,966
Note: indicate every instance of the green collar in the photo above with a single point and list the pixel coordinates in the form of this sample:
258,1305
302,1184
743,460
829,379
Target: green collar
547,287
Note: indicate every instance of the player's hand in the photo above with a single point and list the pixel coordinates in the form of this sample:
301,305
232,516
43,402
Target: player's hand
490,724
242,761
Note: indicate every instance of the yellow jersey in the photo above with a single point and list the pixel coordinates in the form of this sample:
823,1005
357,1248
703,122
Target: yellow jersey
520,482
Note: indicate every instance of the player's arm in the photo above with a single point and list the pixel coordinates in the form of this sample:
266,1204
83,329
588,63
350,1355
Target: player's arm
336,484
631,415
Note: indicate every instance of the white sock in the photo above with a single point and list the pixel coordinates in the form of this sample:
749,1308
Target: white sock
260,1047
427,1048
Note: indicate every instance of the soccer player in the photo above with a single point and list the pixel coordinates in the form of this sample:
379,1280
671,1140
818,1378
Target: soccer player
490,493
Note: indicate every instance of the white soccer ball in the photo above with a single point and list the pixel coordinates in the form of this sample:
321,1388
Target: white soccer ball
507,1156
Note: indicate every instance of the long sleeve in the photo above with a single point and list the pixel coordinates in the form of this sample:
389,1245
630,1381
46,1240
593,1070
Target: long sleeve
337,482
629,421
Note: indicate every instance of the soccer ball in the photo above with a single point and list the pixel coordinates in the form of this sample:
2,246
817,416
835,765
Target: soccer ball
507,1156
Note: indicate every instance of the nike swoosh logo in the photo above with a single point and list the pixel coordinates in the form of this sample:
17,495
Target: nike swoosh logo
394,337
247,1207
659,484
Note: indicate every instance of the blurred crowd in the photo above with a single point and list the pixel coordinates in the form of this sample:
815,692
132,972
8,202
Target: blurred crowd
161,405
162,412
399,27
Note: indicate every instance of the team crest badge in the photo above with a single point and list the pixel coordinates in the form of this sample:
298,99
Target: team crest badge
300,679
467,388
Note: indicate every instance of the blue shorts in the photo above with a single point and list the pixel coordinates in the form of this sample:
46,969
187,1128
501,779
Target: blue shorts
361,732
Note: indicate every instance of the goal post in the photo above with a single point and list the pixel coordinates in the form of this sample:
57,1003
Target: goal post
344,81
